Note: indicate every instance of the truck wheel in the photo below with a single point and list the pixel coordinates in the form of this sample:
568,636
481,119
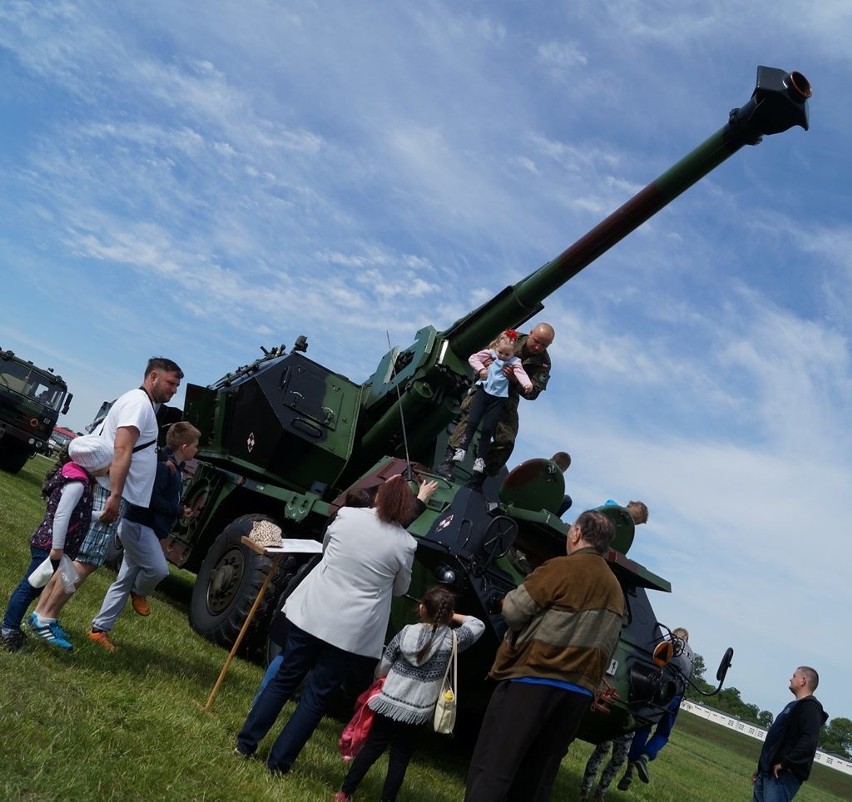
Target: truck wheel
13,457
227,585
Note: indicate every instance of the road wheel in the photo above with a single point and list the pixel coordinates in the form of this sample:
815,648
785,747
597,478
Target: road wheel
13,457
227,585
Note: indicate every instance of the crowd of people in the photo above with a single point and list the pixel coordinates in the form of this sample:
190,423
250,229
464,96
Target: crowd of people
563,621
110,473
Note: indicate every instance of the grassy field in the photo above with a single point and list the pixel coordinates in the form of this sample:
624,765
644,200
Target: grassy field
130,725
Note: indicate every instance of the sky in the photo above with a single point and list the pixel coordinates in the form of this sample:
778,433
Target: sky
199,180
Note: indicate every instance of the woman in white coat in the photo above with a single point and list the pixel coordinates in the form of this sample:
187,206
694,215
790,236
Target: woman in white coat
336,616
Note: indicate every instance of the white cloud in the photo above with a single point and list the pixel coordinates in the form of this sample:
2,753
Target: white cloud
562,55
195,181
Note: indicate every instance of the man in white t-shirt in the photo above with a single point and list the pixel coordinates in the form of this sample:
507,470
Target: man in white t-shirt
131,427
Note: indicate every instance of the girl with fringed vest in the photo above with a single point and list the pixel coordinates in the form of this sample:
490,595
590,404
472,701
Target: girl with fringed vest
68,490
413,663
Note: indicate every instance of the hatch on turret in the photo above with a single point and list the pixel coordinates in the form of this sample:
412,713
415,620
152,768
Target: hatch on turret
536,484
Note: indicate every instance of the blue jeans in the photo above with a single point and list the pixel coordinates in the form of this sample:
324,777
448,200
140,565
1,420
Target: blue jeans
329,667
24,594
271,671
769,789
642,744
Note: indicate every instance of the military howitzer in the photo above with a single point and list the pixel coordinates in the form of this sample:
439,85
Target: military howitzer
284,437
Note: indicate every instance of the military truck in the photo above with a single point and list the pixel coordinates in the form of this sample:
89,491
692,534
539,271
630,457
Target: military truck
59,438
31,401
284,437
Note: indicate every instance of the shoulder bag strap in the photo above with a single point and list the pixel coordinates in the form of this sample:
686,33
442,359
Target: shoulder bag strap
454,663
451,663
455,666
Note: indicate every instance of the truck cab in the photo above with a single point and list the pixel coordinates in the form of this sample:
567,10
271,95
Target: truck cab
31,400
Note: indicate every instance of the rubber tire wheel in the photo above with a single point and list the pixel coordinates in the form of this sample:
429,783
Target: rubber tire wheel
227,586
13,457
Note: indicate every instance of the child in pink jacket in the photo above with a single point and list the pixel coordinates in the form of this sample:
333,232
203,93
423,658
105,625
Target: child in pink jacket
492,366
66,520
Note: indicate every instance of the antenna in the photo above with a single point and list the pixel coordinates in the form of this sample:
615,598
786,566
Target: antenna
408,474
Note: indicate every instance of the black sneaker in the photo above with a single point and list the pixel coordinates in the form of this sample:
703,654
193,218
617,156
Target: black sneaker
476,481
13,641
445,469
642,769
624,782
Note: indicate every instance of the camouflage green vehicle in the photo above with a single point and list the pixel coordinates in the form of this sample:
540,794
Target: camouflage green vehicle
31,401
283,438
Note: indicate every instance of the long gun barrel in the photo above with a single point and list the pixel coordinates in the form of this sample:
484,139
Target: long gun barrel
427,373
777,103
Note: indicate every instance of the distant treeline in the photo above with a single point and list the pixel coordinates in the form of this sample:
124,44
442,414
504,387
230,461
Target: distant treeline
836,736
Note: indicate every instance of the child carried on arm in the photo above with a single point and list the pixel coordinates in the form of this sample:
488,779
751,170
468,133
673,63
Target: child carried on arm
493,366
68,489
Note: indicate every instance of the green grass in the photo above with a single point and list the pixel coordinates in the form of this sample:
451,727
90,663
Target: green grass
130,725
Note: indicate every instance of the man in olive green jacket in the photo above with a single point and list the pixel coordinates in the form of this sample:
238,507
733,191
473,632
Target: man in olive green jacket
531,349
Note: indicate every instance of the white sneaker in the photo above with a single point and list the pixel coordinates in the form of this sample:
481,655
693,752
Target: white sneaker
479,465
459,455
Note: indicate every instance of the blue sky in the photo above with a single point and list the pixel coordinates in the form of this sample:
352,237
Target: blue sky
197,180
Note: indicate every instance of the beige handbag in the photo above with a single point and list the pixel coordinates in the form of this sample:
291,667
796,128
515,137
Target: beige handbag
445,707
